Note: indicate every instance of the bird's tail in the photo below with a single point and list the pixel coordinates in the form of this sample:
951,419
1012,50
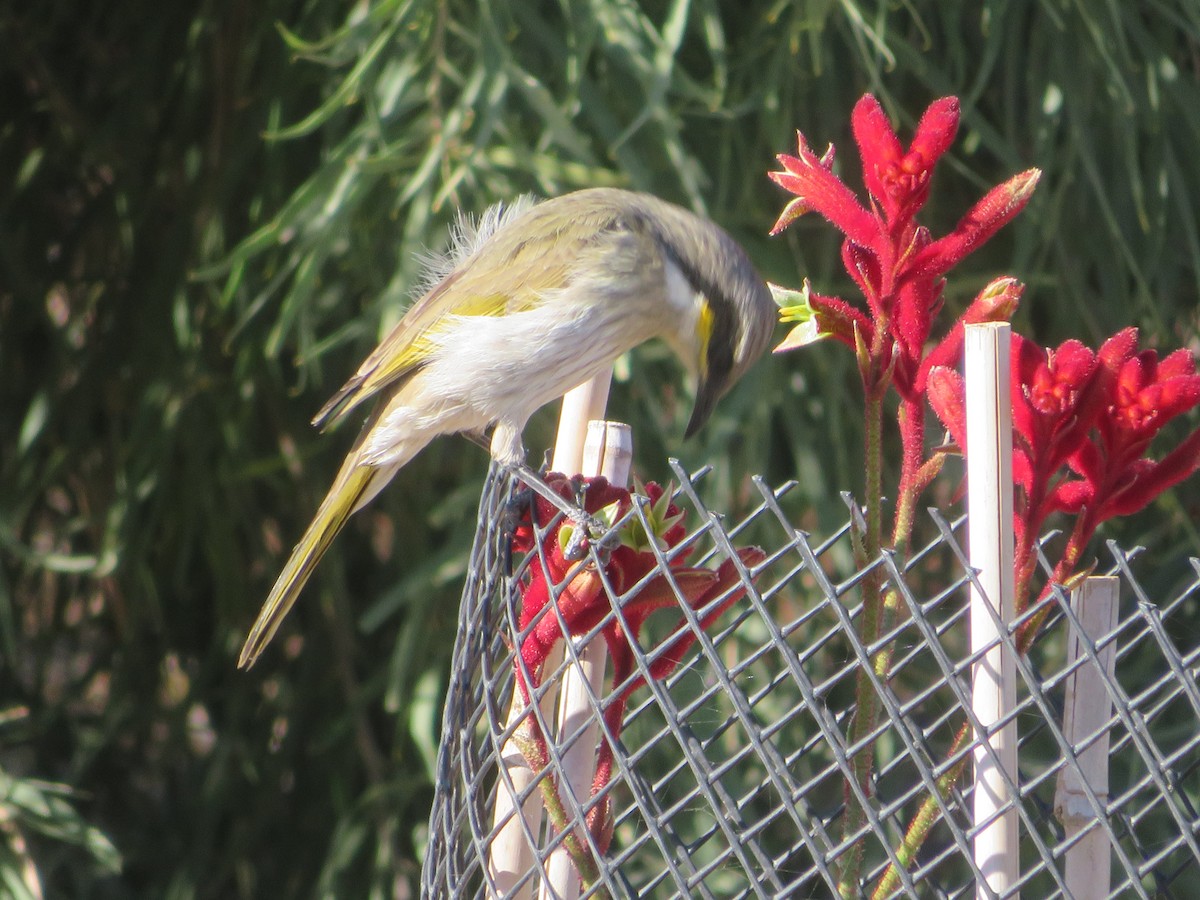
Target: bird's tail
354,486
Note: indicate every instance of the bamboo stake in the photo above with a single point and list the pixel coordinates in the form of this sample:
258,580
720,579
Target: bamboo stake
989,523
580,407
608,452
510,854
1085,717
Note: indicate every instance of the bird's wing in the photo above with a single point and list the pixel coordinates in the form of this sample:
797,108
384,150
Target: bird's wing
467,291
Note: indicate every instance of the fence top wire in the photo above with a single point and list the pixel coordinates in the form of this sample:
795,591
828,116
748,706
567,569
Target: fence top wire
731,767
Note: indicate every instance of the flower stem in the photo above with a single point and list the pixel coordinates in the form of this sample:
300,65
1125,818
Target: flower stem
913,474
866,701
1067,567
925,818
879,609
531,742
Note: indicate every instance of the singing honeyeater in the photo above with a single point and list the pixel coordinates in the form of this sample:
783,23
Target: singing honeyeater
532,300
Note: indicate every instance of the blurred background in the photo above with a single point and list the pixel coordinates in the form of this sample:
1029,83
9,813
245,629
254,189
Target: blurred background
208,216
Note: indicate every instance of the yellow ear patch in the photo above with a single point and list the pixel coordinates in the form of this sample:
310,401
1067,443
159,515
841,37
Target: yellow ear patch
704,330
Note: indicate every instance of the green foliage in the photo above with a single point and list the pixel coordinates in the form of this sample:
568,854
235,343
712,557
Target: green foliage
209,216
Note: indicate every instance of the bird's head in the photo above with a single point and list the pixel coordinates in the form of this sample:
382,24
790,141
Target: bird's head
727,314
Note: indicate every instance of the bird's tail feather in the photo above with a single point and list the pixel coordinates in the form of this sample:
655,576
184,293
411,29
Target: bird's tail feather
354,486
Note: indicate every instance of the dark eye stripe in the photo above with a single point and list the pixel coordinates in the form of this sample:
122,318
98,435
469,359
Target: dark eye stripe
720,352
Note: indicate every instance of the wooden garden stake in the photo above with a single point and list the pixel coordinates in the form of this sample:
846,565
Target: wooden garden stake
1086,713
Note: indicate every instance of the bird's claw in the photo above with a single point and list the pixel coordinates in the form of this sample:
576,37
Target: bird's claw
511,512
590,532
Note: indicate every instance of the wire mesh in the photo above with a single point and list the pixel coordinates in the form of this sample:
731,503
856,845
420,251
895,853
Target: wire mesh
731,774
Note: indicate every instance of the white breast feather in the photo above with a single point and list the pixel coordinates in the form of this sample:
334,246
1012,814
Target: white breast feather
503,368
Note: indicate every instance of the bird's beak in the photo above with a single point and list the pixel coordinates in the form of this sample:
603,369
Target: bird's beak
707,395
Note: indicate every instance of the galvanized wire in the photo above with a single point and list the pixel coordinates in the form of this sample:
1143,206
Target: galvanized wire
732,773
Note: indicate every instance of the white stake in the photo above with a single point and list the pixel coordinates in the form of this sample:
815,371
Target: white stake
989,523
1086,713
580,407
608,452
510,855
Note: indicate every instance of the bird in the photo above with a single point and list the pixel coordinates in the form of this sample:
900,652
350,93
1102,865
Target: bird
532,299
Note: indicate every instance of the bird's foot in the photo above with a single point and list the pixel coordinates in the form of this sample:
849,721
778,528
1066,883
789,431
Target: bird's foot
588,531
511,511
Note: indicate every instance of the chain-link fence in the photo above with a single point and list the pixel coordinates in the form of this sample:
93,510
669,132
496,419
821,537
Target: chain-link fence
731,764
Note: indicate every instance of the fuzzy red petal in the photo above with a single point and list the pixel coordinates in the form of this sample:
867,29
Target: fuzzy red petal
985,218
1087,462
945,390
1070,496
1172,397
995,303
1118,348
863,265
1144,400
1151,480
823,192
726,579
837,318
899,180
660,592
1022,470
878,146
1177,364
936,131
